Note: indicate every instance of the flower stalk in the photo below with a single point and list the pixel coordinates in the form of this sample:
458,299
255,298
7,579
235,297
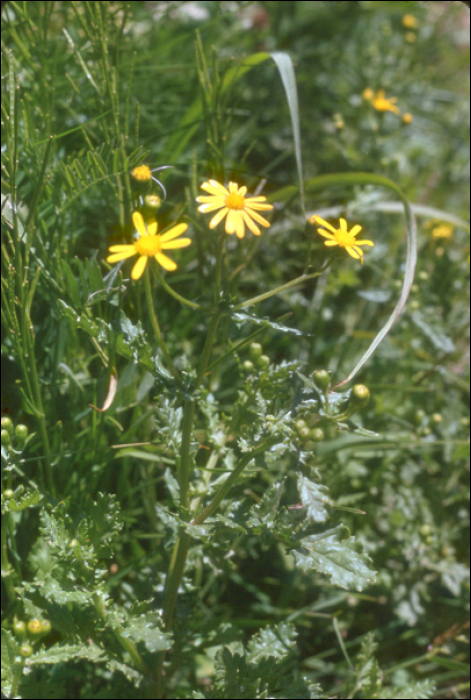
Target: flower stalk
157,332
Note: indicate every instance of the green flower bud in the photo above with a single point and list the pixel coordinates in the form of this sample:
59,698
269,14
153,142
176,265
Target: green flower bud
26,649
300,424
8,493
247,366
153,202
21,432
35,627
46,625
419,416
304,433
263,362
360,395
322,378
255,351
6,438
7,425
317,434
19,628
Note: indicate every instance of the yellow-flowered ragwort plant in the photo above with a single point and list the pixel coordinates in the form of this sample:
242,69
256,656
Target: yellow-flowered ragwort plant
239,210
148,245
342,236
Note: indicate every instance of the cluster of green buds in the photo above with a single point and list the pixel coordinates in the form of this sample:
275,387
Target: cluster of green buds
30,633
308,435
257,360
332,408
13,437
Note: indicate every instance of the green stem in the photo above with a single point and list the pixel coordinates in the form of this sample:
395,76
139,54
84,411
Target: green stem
175,295
182,545
7,569
278,290
124,641
232,478
156,328
176,569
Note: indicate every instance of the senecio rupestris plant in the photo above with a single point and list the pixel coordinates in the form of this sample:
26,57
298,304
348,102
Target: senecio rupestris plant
169,522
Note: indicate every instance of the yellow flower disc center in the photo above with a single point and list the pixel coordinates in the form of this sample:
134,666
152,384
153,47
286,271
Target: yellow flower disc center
235,201
344,239
142,173
148,245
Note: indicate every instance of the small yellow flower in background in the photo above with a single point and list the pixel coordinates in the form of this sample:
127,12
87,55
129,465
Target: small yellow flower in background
411,37
148,245
368,94
407,118
384,104
239,210
142,174
442,231
410,22
342,236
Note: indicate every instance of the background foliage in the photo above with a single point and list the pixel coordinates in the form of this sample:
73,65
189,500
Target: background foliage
90,501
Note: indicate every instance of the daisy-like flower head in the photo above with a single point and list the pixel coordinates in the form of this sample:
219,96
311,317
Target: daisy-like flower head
410,22
442,231
148,245
384,104
239,210
142,174
342,236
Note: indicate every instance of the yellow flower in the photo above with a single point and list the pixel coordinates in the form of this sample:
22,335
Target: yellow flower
442,231
342,237
384,104
149,245
235,206
411,37
367,94
143,174
407,118
410,22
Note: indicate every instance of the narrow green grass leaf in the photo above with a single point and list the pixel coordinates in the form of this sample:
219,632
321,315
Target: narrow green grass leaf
236,72
286,69
351,179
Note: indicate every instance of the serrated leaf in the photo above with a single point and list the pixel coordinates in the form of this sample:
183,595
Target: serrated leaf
278,641
314,499
265,513
367,672
12,664
243,318
147,629
60,653
21,502
414,691
335,554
